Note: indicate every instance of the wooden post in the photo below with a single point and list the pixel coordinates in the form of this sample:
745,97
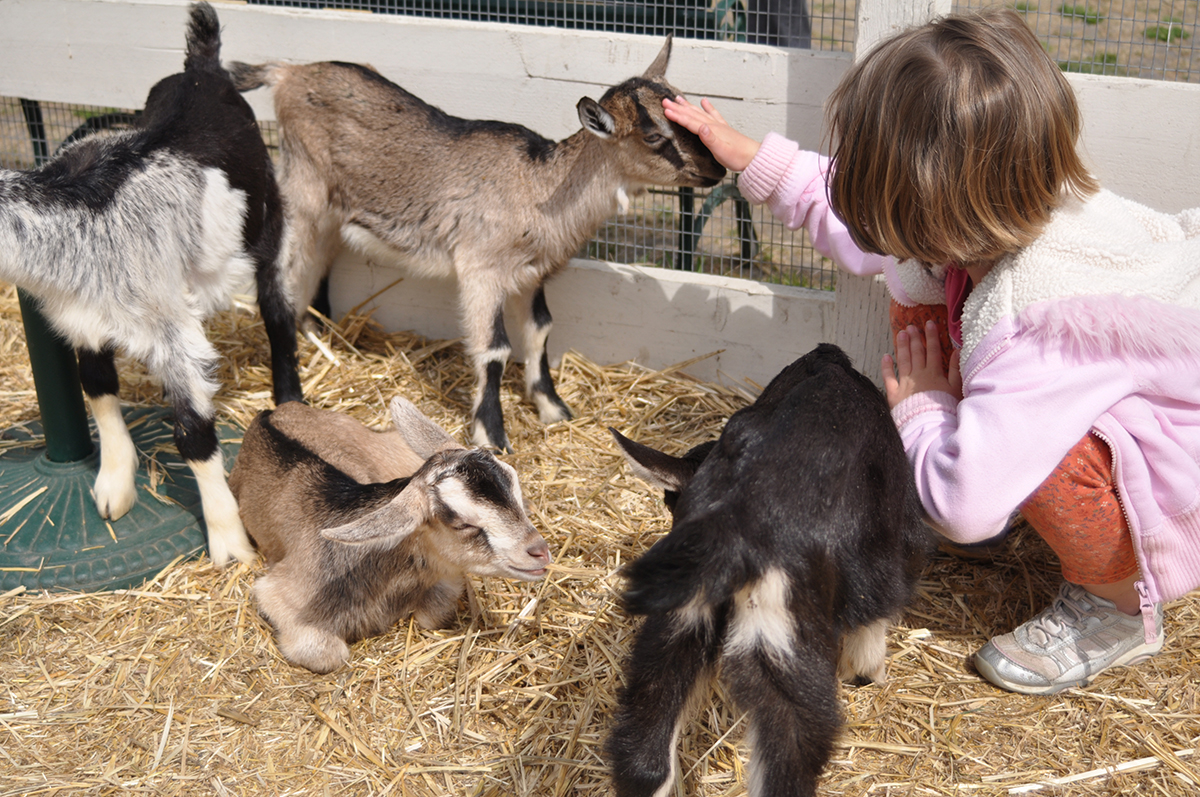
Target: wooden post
862,328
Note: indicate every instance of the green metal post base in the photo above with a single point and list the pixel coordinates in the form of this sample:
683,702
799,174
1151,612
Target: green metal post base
52,537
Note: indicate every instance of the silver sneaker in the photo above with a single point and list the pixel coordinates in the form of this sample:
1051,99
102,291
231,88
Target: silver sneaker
1079,636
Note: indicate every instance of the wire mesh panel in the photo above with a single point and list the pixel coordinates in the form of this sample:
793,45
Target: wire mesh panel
1130,38
711,232
31,132
715,231
786,23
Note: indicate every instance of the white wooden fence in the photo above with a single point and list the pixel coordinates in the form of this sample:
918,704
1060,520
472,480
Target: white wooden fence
1142,137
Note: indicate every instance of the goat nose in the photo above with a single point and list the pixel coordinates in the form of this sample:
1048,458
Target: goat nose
539,550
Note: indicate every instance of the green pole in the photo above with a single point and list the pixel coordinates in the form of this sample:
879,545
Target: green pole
56,379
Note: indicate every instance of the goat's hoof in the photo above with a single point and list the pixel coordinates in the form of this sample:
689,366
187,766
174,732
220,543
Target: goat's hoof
551,409
856,677
497,441
114,496
227,544
314,649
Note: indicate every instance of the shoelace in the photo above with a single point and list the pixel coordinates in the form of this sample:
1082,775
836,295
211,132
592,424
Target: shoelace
1067,611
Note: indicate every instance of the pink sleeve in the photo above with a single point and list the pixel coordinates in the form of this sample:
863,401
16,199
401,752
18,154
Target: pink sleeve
792,183
1026,406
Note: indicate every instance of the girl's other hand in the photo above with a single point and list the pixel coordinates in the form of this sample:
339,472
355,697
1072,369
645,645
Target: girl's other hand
732,150
918,366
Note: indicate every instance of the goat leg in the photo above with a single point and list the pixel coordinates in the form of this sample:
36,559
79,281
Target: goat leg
539,384
187,382
115,492
489,350
864,654
279,317
791,700
670,663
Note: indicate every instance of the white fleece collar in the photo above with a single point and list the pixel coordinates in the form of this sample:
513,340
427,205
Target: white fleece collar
1101,247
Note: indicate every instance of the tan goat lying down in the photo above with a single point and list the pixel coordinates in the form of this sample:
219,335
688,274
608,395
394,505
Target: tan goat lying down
360,528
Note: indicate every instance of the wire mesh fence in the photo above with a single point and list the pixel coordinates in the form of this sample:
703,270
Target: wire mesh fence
785,23
715,231
1129,38
31,131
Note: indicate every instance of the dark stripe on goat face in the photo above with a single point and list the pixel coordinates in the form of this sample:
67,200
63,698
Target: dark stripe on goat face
648,127
485,482
470,534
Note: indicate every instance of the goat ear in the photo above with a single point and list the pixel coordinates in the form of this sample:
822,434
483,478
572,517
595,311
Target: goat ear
387,526
595,119
423,436
662,470
658,69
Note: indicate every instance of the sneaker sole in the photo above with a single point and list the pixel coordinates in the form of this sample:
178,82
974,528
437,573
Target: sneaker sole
1133,656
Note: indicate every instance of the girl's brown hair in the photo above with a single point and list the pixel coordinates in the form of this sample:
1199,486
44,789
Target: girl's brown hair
954,141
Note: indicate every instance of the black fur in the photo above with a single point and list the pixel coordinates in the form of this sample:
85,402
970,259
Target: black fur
810,481
98,372
484,480
199,112
195,434
541,310
489,413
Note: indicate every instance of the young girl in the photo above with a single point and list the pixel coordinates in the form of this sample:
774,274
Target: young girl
1073,392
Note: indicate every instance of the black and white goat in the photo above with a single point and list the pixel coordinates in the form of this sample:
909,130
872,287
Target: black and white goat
493,204
130,241
797,535
360,528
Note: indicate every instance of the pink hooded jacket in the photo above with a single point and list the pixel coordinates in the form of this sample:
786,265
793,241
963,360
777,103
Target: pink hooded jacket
1093,327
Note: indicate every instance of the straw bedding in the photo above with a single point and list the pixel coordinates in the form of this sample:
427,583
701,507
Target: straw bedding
177,688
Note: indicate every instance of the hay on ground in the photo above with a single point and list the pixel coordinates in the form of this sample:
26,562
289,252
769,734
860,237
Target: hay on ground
176,687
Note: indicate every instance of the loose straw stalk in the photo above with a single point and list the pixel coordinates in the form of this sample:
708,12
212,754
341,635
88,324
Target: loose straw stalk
176,687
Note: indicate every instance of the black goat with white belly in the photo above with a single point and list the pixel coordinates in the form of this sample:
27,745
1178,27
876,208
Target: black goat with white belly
797,536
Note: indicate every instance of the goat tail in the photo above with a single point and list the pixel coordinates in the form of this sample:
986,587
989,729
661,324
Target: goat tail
682,568
203,40
253,76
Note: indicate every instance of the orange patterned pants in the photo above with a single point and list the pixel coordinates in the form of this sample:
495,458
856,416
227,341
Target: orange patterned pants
1076,509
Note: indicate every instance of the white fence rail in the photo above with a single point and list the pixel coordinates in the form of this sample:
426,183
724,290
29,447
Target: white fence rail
1143,138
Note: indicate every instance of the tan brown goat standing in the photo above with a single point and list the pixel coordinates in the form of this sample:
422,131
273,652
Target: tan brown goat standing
493,204
360,528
